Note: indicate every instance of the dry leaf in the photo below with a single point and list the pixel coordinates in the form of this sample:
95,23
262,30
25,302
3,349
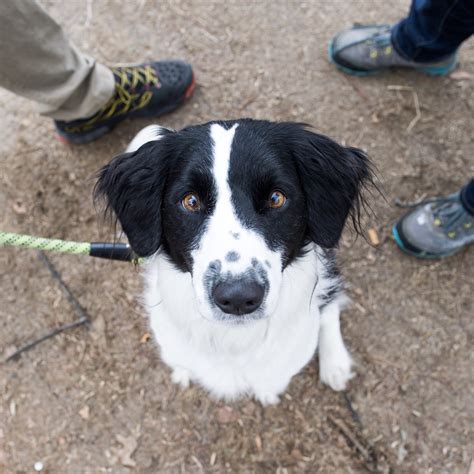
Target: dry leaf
129,446
226,415
373,237
98,331
213,459
258,442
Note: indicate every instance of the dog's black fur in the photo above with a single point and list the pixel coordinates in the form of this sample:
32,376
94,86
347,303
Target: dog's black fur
322,180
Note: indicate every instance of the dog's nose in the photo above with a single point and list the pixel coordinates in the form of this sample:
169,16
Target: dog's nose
238,296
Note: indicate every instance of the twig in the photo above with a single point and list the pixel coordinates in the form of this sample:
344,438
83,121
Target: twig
248,102
354,85
67,292
355,416
416,102
347,432
417,110
409,204
78,309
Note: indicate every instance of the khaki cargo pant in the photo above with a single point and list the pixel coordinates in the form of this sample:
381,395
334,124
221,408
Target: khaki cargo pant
38,62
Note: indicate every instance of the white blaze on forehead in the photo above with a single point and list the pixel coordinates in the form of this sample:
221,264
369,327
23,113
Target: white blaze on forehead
224,223
219,237
224,220
222,139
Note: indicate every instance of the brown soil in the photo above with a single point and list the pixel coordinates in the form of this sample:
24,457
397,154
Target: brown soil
98,399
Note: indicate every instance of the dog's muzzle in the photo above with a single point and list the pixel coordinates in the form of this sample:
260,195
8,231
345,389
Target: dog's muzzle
238,296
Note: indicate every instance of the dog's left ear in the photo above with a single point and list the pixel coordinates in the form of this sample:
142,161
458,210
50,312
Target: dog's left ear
133,184
332,177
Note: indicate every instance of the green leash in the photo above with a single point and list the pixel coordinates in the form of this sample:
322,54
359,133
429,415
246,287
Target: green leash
110,251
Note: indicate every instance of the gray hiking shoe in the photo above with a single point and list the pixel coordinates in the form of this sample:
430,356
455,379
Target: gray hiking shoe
368,49
436,228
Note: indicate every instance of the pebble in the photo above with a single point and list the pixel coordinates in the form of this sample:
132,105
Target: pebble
39,466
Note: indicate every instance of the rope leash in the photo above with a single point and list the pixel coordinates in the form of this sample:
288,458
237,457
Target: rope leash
110,251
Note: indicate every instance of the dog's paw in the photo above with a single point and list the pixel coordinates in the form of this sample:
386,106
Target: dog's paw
336,370
181,377
267,398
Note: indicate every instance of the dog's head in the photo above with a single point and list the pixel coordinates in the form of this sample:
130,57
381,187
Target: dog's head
234,203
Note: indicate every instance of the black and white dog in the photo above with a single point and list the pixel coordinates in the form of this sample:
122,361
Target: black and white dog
239,220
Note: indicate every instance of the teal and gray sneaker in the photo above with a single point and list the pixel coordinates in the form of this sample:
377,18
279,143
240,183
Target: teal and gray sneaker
145,90
368,49
439,227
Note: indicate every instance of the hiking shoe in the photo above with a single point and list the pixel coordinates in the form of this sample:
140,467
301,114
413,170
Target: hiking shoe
145,90
437,228
368,49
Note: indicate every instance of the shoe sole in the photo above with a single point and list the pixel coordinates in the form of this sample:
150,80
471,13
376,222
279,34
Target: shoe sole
100,132
424,255
429,70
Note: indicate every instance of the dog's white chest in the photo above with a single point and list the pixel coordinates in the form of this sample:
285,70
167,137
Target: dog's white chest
258,358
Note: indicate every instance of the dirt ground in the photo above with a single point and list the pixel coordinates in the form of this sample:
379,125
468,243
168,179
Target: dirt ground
98,399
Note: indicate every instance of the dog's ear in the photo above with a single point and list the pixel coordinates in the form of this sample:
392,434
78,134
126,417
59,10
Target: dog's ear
332,177
133,185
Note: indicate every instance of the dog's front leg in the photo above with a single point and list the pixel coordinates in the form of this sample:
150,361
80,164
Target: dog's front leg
335,362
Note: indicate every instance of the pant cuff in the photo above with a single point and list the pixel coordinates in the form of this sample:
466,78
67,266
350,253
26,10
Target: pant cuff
89,98
466,203
394,37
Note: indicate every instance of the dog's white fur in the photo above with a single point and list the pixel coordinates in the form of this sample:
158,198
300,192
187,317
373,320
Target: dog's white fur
259,357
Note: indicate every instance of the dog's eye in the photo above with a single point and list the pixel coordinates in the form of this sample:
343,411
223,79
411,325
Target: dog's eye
191,202
277,199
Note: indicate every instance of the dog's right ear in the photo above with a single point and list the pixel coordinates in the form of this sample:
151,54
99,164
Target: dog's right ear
133,185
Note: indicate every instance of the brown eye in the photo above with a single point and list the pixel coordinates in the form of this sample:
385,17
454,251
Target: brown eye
277,200
191,202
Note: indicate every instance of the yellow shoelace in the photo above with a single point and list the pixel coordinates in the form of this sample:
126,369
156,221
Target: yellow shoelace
126,98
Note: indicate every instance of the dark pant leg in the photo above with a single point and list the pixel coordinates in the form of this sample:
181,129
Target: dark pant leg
434,29
467,197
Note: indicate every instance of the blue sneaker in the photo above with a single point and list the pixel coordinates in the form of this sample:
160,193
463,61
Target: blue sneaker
368,49
146,90
437,228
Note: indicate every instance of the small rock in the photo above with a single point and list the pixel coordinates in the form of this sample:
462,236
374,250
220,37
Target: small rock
19,208
129,446
462,76
84,413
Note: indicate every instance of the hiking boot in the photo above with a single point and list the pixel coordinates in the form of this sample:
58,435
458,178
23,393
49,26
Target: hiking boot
368,49
146,90
437,228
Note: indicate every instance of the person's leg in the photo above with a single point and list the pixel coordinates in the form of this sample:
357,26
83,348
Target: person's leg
427,40
38,62
434,29
439,227
85,98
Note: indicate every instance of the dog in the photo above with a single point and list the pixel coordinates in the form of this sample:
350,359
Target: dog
239,221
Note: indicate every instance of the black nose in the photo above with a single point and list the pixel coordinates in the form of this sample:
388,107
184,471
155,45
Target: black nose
238,296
